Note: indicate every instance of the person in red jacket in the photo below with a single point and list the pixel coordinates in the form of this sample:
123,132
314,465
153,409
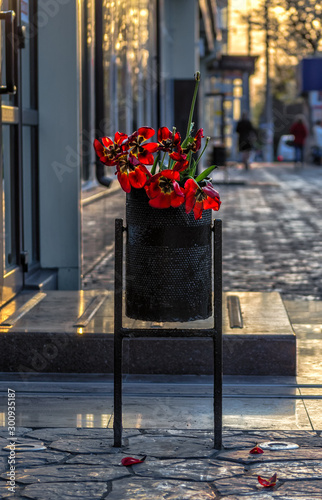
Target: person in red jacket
300,132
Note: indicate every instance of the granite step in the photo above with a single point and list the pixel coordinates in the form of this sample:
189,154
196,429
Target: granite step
72,332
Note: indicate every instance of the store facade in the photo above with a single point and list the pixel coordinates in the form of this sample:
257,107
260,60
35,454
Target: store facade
73,71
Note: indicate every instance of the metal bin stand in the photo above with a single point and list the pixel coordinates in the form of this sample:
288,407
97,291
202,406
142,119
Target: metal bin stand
215,332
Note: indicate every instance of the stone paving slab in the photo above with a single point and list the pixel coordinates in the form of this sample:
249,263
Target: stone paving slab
305,490
301,469
66,472
187,469
180,465
30,459
66,491
144,489
103,445
170,446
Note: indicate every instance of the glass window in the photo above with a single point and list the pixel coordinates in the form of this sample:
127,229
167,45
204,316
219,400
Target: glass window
30,198
9,250
5,98
129,48
25,55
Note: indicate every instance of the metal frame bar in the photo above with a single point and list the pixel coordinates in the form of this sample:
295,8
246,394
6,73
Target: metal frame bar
215,332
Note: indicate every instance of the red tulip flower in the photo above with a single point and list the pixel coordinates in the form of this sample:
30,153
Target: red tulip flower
143,152
167,140
172,162
164,190
197,140
181,162
131,173
195,144
200,198
110,150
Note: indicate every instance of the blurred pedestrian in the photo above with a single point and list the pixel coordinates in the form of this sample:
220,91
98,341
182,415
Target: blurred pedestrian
317,142
300,132
247,135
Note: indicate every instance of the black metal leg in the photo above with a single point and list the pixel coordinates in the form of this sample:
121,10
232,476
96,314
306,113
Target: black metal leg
218,348
118,286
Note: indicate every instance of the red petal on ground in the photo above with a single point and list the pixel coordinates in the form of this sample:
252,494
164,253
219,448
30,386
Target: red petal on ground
256,450
267,482
132,461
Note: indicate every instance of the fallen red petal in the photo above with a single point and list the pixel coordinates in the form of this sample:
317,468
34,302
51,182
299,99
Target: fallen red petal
267,482
256,450
132,461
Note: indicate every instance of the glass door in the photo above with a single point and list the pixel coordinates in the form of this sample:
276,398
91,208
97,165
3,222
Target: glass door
19,121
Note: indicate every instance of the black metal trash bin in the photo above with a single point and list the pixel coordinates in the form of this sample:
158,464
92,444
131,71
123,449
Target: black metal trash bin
168,262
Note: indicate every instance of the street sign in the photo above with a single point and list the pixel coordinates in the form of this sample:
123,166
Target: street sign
236,64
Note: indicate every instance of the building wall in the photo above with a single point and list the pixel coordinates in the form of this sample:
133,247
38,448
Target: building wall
59,132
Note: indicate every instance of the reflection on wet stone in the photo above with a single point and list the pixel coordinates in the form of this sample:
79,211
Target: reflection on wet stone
309,490
290,470
144,489
158,446
237,486
84,445
192,470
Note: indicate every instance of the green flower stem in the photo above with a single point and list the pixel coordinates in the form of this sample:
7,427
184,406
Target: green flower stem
154,166
162,161
202,152
197,79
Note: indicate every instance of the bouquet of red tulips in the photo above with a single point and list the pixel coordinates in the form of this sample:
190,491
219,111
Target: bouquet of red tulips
171,180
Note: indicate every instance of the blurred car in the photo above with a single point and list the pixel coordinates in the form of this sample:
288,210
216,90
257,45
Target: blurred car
285,152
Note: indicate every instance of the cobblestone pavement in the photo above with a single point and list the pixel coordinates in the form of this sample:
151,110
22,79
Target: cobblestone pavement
272,231
180,465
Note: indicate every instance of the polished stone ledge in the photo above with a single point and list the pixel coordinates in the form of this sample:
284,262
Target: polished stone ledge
46,339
